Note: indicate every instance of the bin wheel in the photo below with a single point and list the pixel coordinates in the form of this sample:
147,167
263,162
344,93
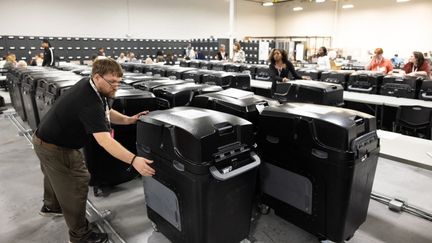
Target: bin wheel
349,238
263,209
154,226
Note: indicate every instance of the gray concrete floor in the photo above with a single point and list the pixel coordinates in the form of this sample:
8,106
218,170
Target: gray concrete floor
21,199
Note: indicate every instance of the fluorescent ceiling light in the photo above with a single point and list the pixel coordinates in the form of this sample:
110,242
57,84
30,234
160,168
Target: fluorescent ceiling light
267,4
320,1
345,6
402,1
297,9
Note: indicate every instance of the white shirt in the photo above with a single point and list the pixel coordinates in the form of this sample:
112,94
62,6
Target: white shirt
239,56
323,63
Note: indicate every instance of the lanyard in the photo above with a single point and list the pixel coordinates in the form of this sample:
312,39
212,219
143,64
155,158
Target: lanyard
104,102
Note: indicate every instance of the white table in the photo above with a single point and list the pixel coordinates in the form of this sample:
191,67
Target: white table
406,149
261,84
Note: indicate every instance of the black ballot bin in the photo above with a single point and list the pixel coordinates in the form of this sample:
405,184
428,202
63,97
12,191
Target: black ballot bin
309,73
401,86
309,92
205,174
16,78
365,82
105,170
29,86
182,94
47,91
318,166
425,92
336,77
132,80
237,102
177,72
152,84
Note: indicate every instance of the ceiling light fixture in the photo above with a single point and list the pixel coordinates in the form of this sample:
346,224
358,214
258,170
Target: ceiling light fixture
320,1
346,6
267,4
297,9
402,1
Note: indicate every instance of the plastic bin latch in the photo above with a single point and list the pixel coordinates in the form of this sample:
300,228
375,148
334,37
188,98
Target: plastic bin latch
362,145
224,128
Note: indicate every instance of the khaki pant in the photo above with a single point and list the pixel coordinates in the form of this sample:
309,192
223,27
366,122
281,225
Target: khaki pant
65,185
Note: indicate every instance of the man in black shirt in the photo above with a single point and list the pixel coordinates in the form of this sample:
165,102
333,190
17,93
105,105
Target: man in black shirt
77,115
48,53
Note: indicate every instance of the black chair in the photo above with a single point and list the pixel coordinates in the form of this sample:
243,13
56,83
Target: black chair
414,121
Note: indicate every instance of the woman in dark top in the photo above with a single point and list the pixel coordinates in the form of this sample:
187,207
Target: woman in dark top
280,67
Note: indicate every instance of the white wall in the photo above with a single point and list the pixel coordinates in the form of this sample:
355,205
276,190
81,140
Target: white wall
170,19
396,27
254,20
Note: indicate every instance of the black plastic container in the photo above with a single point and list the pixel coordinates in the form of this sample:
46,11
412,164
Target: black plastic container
312,74
236,102
310,92
426,90
150,85
401,86
205,177
262,73
105,170
365,82
44,86
337,77
318,166
182,94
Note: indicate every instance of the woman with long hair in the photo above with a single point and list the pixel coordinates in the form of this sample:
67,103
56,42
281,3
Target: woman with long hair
417,65
280,67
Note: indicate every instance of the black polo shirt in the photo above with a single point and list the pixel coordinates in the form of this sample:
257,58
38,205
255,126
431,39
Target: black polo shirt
74,117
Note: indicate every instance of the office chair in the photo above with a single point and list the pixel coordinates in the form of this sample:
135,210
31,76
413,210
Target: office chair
414,121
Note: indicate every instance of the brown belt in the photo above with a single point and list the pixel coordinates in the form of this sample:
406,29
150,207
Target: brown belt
45,144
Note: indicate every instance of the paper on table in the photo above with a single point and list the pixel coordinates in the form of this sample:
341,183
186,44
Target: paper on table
387,135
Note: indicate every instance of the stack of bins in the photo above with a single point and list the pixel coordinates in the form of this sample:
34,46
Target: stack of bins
105,170
182,94
28,88
47,91
310,92
318,166
237,102
205,174
15,80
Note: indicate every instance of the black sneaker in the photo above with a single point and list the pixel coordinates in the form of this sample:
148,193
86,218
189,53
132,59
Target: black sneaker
47,212
93,237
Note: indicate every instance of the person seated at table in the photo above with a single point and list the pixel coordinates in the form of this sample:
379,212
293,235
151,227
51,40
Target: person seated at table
280,68
379,63
417,66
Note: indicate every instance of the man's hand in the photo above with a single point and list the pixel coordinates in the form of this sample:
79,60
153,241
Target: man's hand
142,166
135,118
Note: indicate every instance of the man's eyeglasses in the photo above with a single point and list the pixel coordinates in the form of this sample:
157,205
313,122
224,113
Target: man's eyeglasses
113,84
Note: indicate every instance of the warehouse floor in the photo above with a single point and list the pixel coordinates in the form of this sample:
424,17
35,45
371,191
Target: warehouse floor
21,199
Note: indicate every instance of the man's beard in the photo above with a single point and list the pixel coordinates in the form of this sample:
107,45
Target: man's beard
109,94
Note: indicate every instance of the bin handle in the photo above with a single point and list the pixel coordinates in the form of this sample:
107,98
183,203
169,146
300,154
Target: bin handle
425,96
222,177
359,89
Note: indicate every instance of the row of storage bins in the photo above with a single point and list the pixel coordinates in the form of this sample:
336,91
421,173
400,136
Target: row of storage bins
357,81
227,150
